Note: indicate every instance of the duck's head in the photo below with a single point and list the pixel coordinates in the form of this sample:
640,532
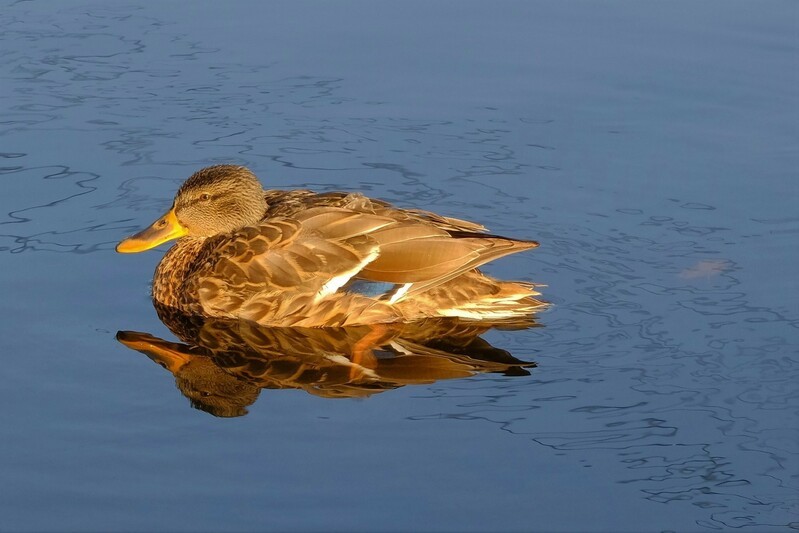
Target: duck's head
214,200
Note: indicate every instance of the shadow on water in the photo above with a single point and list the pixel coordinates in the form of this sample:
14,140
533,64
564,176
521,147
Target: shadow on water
222,365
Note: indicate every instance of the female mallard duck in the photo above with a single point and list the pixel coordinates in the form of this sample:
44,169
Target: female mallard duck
298,258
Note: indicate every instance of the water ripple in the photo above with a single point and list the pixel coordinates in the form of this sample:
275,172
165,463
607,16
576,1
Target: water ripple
670,356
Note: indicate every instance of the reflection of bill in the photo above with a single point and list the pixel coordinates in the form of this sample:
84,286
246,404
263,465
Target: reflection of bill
223,365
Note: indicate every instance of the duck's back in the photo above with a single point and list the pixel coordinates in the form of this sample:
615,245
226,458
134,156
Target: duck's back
291,203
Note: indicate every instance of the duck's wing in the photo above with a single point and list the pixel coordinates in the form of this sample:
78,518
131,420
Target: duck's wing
411,252
300,267
268,272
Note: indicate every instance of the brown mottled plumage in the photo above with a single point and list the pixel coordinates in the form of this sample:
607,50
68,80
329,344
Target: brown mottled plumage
291,258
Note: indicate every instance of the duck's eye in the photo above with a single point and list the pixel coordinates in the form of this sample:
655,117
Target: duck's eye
205,197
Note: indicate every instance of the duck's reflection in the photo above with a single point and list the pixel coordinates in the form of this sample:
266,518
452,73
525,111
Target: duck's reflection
222,365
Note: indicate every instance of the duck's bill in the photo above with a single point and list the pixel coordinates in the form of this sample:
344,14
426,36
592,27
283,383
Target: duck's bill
162,230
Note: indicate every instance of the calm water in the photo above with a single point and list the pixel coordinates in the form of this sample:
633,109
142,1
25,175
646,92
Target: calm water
651,148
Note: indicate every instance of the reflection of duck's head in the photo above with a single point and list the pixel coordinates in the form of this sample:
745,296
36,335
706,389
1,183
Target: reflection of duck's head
208,387
211,389
212,201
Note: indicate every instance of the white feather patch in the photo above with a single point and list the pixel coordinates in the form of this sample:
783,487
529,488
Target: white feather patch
336,282
400,348
344,361
399,293
479,314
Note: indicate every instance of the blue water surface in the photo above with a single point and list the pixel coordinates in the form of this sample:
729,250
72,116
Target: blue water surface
651,148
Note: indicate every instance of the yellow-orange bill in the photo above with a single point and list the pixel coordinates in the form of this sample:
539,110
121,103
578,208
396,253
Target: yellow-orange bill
169,355
162,230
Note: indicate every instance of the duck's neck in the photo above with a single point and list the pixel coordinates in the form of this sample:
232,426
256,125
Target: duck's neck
169,287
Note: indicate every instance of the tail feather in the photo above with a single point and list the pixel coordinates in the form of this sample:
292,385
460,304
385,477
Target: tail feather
504,307
475,296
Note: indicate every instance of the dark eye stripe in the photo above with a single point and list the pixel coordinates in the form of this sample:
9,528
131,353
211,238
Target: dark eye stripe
198,199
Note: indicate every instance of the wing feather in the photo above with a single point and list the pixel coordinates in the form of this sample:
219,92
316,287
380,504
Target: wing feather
412,250
293,268
297,259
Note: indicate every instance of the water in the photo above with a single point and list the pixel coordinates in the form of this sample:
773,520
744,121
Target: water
650,147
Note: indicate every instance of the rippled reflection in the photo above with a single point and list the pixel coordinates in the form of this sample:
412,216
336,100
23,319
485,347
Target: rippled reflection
222,365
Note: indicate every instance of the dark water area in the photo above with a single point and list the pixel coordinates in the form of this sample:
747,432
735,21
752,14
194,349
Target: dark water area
651,148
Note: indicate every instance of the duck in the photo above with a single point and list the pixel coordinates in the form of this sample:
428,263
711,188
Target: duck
298,258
